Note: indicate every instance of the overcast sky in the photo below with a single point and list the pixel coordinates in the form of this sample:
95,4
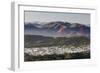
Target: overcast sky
34,16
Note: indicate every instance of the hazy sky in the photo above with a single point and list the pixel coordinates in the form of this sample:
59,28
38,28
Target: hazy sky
34,16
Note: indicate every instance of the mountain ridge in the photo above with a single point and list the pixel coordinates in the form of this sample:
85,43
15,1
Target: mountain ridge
57,28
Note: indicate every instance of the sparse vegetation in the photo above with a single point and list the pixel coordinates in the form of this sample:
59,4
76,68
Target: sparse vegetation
41,41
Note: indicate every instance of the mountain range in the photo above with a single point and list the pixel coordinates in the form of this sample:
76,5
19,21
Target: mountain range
56,29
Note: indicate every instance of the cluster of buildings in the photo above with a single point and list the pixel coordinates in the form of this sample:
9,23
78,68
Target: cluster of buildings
55,50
